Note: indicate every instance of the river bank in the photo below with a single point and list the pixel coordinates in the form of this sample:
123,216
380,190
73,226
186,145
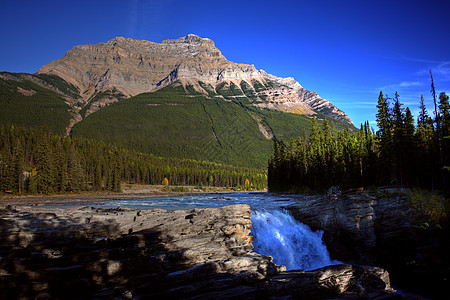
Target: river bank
124,253
129,191
362,228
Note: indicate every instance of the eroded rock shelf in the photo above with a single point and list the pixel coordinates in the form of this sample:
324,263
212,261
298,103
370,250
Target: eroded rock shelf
120,253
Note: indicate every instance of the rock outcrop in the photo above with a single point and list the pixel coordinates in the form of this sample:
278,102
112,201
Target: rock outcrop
347,221
121,253
138,66
382,230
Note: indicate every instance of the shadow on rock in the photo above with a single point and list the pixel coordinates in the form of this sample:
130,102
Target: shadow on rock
121,253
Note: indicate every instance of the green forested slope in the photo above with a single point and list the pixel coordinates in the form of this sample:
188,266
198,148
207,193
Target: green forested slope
36,161
223,126
172,123
23,102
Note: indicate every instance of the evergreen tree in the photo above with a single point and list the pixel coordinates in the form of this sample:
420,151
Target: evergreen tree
423,114
60,158
410,149
97,182
398,153
45,169
433,93
438,125
444,112
17,169
75,179
384,139
398,121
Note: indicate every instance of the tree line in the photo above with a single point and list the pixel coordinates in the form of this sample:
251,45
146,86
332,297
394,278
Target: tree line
37,161
399,153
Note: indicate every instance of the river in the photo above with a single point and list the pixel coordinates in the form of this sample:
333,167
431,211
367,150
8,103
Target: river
276,232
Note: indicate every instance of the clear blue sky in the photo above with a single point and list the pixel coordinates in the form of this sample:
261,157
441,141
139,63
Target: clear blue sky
345,50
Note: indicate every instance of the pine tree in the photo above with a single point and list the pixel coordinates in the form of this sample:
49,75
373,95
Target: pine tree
116,186
384,139
444,112
18,164
317,157
398,123
97,182
433,93
60,158
423,112
45,169
410,150
371,160
438,125
75,180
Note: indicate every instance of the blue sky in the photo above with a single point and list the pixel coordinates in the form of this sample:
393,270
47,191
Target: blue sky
345,50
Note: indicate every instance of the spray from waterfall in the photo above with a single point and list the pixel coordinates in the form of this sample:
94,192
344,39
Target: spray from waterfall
288,241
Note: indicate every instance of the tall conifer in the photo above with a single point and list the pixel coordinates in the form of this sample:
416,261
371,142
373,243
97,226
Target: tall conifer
384,139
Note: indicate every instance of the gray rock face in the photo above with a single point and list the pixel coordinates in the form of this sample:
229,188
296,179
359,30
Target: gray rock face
118,253
381,230
138,66
347,221
355,224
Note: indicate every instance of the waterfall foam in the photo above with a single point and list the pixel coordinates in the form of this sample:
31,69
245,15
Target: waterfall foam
288,241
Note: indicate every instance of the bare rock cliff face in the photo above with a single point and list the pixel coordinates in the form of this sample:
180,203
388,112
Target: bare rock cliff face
138,66
381,230
88,253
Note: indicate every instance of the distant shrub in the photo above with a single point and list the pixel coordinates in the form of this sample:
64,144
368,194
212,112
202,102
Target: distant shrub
435,206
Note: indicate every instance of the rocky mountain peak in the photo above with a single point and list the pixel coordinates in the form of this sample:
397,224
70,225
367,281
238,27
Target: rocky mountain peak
191,39
132,67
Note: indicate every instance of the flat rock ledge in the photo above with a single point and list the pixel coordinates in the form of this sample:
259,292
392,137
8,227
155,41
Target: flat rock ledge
97,253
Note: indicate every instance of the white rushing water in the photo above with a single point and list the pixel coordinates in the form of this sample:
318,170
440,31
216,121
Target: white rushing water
276,232
288,241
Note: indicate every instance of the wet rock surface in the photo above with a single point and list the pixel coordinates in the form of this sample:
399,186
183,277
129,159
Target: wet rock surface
121,253
381,230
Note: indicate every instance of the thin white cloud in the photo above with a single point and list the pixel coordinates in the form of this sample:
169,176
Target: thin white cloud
401,86
443,70
440,70
409,83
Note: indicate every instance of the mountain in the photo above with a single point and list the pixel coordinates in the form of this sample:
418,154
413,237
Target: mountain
180,98
123,67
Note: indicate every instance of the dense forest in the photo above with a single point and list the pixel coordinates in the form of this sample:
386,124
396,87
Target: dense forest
201,127
399,153
225,124
37,161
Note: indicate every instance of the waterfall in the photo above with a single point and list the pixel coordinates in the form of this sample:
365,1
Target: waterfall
288,241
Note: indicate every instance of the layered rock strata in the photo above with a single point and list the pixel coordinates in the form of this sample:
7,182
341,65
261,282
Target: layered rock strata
383,230
119,253
138,66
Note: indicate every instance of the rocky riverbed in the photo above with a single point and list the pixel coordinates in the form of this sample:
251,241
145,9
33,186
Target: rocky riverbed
122,253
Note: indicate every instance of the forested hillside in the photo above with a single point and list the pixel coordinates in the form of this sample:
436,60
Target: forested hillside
400,153
36,161
225,126
174,122
23,102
